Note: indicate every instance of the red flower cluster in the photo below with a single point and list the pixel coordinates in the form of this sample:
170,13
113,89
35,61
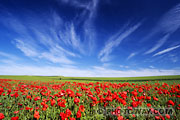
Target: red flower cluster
73,100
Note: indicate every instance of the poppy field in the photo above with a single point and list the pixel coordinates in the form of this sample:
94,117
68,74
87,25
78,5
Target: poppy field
64,100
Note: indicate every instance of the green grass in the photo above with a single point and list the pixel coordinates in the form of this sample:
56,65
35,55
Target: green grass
41,78
150,79
125,78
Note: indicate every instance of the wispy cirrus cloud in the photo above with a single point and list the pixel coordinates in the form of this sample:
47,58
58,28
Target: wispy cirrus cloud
124,66
131,55
152,67
56,37
26,47
158,45
55,58
70,37
55,54
89,29
42,41
9,56
75,3
85,19
170,22
167,25
115,41
167,50
65,33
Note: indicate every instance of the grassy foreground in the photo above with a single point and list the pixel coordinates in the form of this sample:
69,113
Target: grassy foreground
26,77
126,78
168,79
54,100
51,98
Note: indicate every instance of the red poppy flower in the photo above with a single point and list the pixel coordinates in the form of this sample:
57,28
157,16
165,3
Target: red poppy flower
52,102
72,118
78,94
168,116
36,115
2,116
15,118
140,90
63,116
1,90
148,105
68,112
61,104
16,94
94,99
37,98
78,115
134,103
76,100
130,108
120,118
27,108
148,97
170,102
157,117
28,97
154,98
16,112
134,93
81,108
9,92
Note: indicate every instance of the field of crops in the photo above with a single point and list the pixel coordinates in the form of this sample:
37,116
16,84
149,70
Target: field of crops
174,78
64,100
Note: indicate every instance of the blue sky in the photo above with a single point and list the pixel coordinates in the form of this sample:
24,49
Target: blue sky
90,37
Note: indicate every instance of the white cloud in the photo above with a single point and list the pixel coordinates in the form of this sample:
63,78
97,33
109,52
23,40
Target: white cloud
167,50
55,58
75,3
107,64
152,67
168,24
58,51
89,29
7,61
115,41
26,48
158,45
73,71
9,56
124,66
132,73
70,37
38,41
85,19
49,33
131,55
55,54
74,38
175,59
